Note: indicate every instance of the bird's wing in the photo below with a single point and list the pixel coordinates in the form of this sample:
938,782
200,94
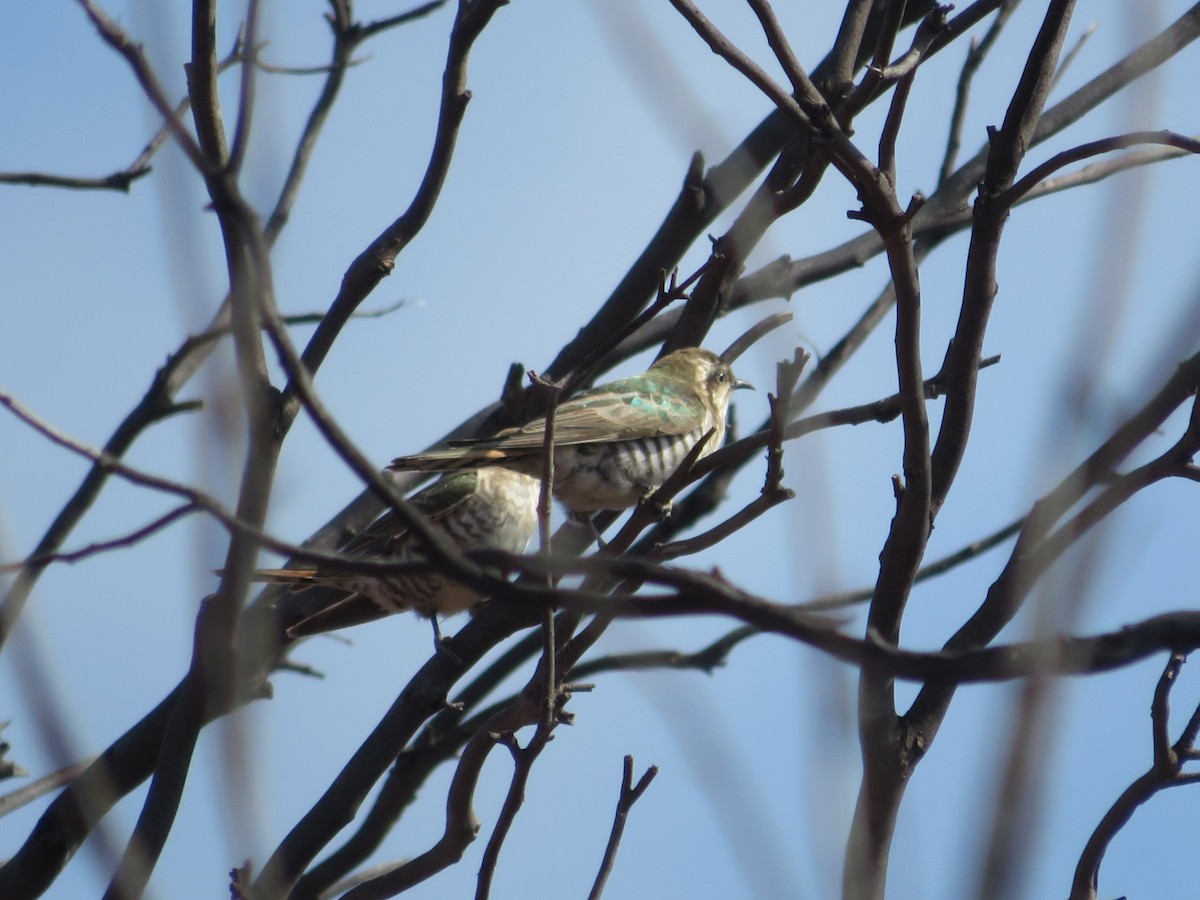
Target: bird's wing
437,501
624,410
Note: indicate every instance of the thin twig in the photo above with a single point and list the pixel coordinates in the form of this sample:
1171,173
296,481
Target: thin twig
975,57
1095,148
930,570
1070,55
26,794
246,93
1165,772
124,45
544,509
117,181
629,795
127,540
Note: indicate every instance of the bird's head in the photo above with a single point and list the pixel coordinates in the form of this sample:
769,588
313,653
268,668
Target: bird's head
711,375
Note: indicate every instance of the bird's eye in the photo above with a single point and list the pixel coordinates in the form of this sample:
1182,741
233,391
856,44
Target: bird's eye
721,377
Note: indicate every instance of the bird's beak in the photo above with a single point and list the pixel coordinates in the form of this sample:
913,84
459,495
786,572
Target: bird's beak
738,383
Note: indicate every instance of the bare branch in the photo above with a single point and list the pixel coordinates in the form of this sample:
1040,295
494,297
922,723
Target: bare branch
377,261
245,109
389,22
1164,772
124,45
930,570
1095,148
975,57
630,794
117,181
25,795
127,540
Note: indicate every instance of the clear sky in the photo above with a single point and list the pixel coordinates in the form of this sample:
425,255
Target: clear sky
583,119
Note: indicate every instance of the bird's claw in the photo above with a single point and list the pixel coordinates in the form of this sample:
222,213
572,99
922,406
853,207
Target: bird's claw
586,520
441,644
661,510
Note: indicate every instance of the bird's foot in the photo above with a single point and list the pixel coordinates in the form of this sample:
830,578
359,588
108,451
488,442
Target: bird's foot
441,643
585,520
661,511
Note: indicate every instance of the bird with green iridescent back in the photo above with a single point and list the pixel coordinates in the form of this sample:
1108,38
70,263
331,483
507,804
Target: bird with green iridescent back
492,508
615,444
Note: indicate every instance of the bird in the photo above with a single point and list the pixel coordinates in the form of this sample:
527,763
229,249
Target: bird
614,444
493,508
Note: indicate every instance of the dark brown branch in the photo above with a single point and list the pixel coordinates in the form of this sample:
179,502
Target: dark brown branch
440,740
523,761
880,73
975,56
170,774
931,27
26,794
325,69
630,794
891,128
1004,596
389,22
1153,53
930,570
779,44
695,593
201,73
424,695
1165,772
1095,172
704,196
377,261
764,502
945,211
210,681
347,36
848,46
808,110
462,825
885,774
545,509
196,499
126,540
753,335
246,93
707,659
123,179
1070,56
117,181
1095,148
880,410
158,402
212,677
121,42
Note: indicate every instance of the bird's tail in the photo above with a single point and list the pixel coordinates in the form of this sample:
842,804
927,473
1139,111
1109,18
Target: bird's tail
449,460
353,610
297,578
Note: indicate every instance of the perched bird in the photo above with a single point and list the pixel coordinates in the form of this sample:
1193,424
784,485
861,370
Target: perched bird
615,444
493,508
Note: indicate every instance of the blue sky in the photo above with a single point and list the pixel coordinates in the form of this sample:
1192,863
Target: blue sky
566,162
